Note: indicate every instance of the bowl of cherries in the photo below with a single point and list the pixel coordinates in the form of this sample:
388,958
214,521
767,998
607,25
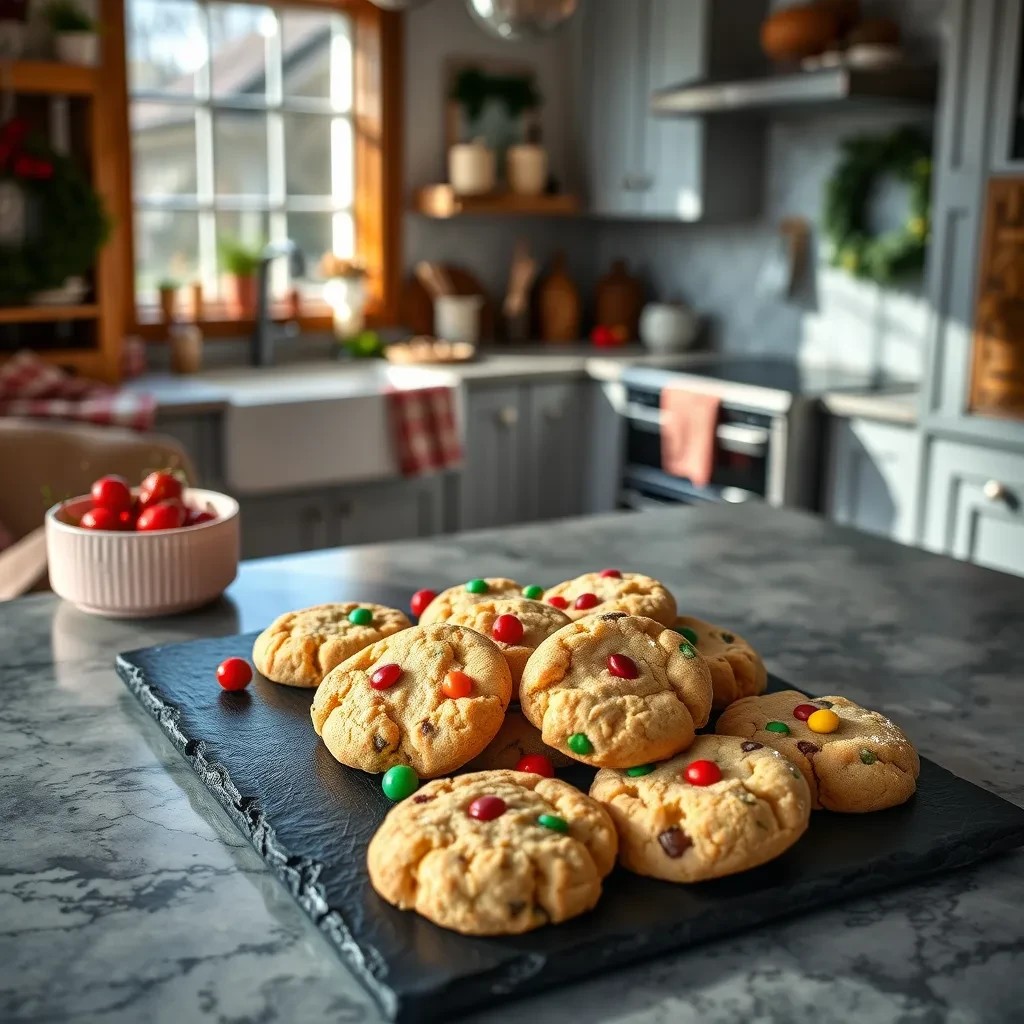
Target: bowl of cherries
136,552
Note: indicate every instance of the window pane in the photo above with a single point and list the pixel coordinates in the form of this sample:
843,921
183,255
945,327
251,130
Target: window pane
240,153
344,235
306,53
314,235
166,46
344,162
163,149
166,246
307,154
239,34
249,227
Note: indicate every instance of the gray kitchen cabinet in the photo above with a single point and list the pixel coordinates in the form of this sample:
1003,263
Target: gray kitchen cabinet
974,508
871,477
554,449
659,168
284,524
200,435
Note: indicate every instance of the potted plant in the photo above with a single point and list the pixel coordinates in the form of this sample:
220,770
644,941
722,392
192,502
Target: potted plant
168,290
75,36
240,263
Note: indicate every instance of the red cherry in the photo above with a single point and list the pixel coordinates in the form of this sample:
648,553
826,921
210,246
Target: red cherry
164,515
585,601
702,773
420,600
507,629
804,711
385,676
100,518
558,602
234,673
536,764
486,808
112,492
195,516
622,666
159,486
128,518
611,574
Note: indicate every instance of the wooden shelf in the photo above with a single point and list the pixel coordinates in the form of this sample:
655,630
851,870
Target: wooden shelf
52,78
46,314
441,202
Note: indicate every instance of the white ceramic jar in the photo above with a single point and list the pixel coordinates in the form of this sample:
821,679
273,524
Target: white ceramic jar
471,168
457,318
668,327
527,168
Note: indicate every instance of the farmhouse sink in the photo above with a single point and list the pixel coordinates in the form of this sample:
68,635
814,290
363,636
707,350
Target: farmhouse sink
309,425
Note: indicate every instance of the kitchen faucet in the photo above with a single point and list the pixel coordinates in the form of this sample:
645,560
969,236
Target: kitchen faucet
261,351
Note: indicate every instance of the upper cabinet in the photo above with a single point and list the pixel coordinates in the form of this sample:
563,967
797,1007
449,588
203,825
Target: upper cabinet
646,167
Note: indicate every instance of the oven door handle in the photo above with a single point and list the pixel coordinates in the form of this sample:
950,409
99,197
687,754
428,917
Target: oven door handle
742,437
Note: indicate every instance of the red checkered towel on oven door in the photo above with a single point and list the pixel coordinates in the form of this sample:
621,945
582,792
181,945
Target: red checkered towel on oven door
424,428
30,386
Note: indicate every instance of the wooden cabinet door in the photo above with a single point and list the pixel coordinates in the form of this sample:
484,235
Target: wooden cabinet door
975,505
614,101
554,450
493,476
872,477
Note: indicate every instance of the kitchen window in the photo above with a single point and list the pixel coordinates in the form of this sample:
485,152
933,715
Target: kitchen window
252,123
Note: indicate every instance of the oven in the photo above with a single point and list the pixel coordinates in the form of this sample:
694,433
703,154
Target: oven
743,465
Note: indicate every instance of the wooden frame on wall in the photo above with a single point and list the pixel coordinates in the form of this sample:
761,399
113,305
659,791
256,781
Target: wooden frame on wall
378,124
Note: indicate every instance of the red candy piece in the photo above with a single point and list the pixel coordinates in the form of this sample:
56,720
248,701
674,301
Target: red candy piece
622,666
457,684
804,711
486,808
702,773
585,601
611,574
100,518
385,676
234,673
558,602
507,629
420,600
536,764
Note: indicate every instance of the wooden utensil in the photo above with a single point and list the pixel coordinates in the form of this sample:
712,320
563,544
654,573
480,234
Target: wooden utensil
559,304
435,279
619,299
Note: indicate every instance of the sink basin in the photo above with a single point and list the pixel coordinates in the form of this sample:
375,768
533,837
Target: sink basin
311,424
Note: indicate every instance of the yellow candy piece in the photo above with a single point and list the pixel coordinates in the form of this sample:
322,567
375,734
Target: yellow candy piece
823,721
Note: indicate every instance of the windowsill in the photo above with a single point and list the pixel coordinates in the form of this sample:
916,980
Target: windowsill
216,322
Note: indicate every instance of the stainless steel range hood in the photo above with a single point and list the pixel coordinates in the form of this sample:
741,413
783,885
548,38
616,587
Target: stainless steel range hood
900,85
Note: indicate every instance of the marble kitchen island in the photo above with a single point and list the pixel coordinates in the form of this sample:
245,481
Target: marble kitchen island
127,895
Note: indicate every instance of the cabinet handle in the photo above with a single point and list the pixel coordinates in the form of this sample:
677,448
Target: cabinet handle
994,490
628,183
644,183
507,417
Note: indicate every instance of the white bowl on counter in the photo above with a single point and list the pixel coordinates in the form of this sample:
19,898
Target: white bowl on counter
128,575
668,327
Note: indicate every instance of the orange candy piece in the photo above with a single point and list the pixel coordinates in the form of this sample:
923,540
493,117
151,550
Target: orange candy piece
457,684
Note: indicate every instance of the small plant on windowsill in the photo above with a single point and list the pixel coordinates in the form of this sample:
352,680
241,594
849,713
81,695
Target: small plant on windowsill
240,263
76,38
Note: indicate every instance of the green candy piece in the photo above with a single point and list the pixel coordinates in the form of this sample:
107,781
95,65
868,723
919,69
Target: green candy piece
867,757
728,637
360,617
689,634
687,650
780,727
639,769
399,782
477,586
579,744
533,592
553,822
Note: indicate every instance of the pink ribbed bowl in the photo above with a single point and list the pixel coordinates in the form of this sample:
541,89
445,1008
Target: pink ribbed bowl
139,575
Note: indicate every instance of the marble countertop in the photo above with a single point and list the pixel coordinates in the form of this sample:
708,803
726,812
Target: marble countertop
897,407
127,895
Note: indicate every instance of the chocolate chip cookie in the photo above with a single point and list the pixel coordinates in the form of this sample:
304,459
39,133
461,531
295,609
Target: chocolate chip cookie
613,591
715,810
736,668
615,690
300,648
518,626
430,697
854,760
516,739
455,599
494,853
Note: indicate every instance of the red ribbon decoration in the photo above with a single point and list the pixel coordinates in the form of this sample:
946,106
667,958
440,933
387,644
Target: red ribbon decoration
12,136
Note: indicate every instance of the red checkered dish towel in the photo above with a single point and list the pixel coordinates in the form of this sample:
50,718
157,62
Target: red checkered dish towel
29,386
425,433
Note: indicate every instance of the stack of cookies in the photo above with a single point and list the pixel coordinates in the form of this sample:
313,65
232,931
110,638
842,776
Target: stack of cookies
510,683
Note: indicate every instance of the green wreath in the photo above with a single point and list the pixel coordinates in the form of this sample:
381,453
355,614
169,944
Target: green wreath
67,223
906,155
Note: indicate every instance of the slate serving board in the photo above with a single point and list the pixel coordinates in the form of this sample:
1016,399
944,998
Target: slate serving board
311,819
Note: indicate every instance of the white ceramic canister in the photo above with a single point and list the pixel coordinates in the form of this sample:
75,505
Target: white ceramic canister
527,168
471,168
668,327
457,318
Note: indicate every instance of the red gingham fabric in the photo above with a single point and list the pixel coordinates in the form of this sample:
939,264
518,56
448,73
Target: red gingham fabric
425,433
30,386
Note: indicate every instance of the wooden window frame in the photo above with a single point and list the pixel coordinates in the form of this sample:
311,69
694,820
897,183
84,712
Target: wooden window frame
377,123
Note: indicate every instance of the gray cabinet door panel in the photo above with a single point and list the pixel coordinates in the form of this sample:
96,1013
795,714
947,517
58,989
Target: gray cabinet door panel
285,524
555,450
493,471
394,511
